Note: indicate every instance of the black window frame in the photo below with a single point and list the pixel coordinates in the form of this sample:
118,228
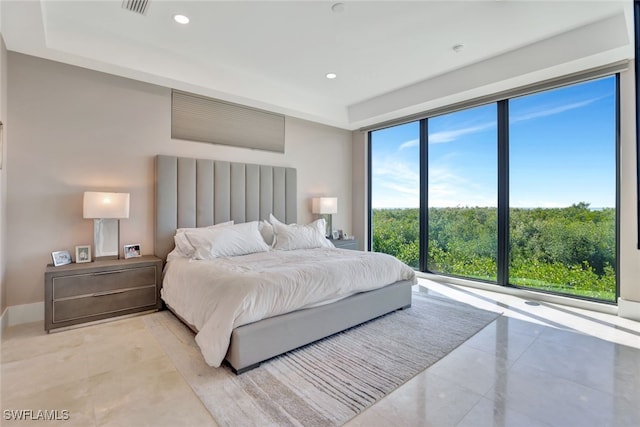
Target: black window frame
502,273
636,18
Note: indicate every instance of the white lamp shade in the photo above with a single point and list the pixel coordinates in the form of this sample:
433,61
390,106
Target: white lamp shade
324,205
105,205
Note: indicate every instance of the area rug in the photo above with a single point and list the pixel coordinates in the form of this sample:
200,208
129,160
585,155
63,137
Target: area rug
332,380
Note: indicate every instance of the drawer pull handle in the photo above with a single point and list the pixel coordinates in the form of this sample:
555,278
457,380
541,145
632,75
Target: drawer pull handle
102,294
102,273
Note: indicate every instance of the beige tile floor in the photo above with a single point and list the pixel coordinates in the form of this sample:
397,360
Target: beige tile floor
544,365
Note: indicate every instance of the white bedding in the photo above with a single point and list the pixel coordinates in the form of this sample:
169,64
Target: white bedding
219,295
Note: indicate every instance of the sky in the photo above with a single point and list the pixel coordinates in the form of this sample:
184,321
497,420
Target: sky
561,152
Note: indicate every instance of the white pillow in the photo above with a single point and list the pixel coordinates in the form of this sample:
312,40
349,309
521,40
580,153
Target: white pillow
290,237
233,240
273,220
266,230
184,249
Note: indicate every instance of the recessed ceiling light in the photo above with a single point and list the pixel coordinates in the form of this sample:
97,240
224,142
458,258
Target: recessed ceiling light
181,19
331,75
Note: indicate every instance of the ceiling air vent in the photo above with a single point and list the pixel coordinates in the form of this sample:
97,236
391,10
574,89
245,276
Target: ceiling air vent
137,6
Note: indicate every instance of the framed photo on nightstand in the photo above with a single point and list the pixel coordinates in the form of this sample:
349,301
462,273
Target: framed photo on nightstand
132,251
61,258
83,254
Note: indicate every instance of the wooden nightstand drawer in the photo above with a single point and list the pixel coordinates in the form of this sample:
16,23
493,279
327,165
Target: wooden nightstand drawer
102,281
90,292
107,302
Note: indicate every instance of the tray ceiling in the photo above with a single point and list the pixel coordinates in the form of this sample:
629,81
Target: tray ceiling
391,58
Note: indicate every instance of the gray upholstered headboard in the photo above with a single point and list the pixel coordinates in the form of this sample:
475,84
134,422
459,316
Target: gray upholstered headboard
200,192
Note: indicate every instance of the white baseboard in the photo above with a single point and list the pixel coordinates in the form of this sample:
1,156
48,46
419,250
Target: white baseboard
25,313
629,309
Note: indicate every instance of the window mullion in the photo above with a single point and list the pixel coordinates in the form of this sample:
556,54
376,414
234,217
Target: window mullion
503,193
424,196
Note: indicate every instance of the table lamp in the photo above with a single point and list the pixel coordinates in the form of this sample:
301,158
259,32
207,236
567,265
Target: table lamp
325,207
106,210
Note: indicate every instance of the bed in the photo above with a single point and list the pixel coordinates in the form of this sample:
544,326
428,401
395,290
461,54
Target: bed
196,193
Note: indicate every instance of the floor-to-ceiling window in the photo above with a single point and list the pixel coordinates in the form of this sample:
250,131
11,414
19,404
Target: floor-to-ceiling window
562,189
462,193
518,192
395,191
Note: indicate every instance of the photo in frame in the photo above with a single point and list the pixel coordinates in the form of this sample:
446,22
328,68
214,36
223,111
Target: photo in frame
132,251
83,254
61,258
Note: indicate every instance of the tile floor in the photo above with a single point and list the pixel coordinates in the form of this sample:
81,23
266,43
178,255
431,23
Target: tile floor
544,365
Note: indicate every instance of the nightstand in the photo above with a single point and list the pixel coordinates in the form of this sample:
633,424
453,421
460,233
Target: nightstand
87,292
346,244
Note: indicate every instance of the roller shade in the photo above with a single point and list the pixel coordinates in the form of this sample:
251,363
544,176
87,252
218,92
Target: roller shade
202,119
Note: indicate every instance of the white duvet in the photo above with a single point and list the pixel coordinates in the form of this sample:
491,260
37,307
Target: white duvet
219,295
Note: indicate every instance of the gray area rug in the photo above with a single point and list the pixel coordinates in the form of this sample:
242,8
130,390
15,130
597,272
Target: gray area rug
332,380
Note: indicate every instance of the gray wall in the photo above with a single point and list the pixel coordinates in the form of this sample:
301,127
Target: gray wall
74,130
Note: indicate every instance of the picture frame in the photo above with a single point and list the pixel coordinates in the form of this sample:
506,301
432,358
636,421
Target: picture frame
61,258
83,254
132,251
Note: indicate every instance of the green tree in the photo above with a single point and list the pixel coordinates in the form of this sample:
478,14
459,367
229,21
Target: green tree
567,250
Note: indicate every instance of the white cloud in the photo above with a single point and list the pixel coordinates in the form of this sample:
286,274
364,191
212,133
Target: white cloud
396,184
448,189
409,144
553,111
397,171
410,191
452,135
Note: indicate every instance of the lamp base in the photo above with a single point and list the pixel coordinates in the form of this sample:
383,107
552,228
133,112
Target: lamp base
106,258
106,238
328,227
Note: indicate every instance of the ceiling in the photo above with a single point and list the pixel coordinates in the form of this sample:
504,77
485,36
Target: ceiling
392,58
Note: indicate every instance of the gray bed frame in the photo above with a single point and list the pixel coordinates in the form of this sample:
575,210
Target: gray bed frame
200,192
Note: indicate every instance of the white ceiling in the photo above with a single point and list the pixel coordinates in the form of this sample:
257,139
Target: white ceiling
392,58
